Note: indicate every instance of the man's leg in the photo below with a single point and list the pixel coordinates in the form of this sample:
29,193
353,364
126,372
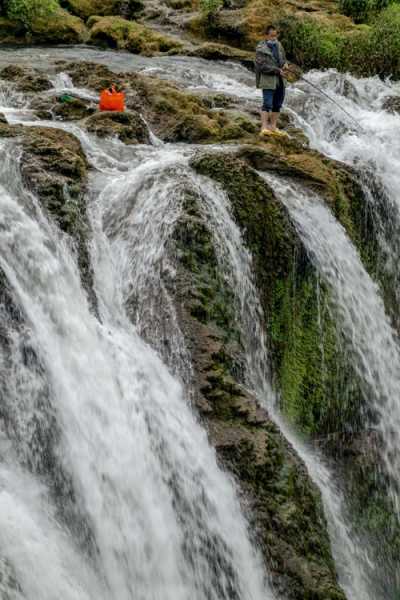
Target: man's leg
268,96
277,101
274,120
265,116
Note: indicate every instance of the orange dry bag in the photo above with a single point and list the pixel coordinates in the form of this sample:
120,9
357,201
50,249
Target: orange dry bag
112,100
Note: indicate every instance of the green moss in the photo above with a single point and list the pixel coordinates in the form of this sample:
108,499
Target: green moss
120,33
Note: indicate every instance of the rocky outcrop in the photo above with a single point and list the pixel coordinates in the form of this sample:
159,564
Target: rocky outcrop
25,79
174,115
127,126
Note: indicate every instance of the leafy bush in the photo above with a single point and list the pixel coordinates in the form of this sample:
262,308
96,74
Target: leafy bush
310,44
210,7
26,11
385,42
362,10
365,50
356,9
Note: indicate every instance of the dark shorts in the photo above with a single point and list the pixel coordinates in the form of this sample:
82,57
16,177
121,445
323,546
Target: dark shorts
273,99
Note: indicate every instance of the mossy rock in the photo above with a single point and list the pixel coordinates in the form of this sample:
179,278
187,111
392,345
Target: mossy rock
67,108
25,79
58,28
127,126
174,114
215,51
116,32
10,31
88,8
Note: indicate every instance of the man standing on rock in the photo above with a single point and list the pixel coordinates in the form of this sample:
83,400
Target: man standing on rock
270,68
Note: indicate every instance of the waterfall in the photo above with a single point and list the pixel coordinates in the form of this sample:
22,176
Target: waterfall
163,520
152,515
360,310
374,149
235,261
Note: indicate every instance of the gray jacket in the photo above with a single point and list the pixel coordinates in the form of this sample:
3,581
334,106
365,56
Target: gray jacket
267,67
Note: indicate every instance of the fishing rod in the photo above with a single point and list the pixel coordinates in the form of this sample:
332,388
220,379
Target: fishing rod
321,91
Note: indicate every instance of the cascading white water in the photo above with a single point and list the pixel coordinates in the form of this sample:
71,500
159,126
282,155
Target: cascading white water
360,310
373,147
138,212
235,262
165,521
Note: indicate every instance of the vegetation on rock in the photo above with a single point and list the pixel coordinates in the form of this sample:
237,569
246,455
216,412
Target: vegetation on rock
120,33
27,11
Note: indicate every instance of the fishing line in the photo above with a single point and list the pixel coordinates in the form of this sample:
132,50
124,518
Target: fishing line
334,102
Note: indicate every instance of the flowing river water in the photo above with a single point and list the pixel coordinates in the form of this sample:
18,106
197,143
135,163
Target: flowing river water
170,525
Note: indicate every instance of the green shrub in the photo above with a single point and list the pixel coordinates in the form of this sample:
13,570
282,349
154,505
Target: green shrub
356,9
309,44
364,50
26,11
385,42
364,10
210,7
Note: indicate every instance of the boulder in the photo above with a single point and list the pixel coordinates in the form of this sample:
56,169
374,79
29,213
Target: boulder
68,108
10,31
127,126
215,51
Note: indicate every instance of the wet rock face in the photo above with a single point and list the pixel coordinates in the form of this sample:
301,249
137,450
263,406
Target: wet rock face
25,79
128,126
52,162
72,109
392,104
283,507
